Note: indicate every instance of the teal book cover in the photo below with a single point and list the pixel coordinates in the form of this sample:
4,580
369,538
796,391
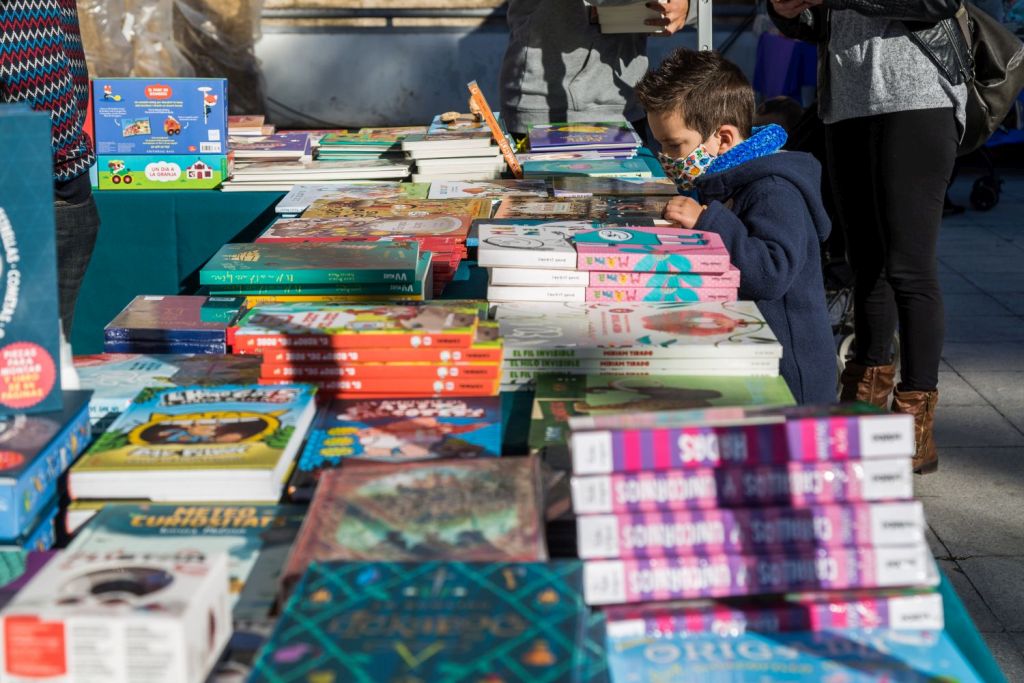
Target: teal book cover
247,533
848,656
609,168
29,317
368,622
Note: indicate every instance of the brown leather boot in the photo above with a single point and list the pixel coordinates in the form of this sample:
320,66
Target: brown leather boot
870,384
920,404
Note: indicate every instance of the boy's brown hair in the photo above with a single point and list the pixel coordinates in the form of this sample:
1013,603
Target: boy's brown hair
704,87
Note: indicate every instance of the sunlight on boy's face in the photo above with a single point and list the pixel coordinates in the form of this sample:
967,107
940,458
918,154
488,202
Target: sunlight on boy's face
676,140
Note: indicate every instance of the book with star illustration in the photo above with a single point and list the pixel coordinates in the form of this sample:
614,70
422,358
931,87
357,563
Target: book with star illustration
455,622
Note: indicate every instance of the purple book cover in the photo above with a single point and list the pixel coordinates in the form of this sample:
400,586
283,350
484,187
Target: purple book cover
679,533
614,582
174,318
898,610
795,484
278,145
603,136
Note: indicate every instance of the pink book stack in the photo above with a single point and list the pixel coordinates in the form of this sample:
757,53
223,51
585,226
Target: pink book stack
736,503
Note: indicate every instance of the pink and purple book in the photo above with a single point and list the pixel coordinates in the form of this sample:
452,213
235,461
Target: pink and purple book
651,250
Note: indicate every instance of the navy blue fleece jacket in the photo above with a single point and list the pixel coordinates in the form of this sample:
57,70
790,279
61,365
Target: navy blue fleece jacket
773,228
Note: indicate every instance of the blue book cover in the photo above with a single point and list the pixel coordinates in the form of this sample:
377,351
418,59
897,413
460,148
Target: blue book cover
165,347
605,135
598,168
403,430
162,319
433,621
41,535
29,316
35,451
849,656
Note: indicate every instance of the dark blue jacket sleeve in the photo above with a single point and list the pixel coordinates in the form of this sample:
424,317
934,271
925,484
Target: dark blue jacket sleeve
769,243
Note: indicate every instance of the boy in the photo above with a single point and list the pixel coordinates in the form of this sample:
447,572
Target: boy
765,204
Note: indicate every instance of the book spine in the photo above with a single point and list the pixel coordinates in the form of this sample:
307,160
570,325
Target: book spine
796,484
496,257
923,611
675,534
285,356
604,259
611,582
339,290
427,371
246,342
694,366
826,439
312,276
658,294
763,352
728,280
536,277
503,294
357,388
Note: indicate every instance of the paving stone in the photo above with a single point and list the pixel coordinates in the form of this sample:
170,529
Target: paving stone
999,580
1013,301
955,391
1003,259
996,282
984,619
974,304
1004,390
974,503
965,357
935,545
1007,652
954,283
974,426
985,328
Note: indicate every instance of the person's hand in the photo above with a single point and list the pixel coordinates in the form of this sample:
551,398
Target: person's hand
791,9
683,211
673,15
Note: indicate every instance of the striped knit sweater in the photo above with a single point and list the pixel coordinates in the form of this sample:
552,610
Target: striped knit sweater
42,62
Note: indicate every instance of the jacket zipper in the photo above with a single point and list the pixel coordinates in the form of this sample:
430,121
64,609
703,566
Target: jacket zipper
956,51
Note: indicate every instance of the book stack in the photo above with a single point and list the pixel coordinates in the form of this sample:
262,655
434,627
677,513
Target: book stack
440,227
734,503
577,186
715,339
231,443
578,261
116,378
461,151
267,176
334,271
36,452
281,147
605,149
366,144
302,195
435,349
249,126
157,324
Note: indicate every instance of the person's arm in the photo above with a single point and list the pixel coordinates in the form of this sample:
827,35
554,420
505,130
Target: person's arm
903,10
796,20
674,14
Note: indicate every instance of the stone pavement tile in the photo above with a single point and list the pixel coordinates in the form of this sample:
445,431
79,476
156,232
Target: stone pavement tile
985,328
1003,259
995,282
974,426
999,580
1014,301
954,283
939,551
974,502
955,391
987,357
976,304
1004,390
1007,652
982,616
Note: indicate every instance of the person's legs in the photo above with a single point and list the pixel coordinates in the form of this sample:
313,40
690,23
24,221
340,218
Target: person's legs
77,227
918,150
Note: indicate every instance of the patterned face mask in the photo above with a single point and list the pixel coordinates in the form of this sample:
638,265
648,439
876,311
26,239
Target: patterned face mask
686,170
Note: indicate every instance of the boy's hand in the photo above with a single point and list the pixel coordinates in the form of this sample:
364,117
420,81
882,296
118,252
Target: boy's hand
673,15
683,211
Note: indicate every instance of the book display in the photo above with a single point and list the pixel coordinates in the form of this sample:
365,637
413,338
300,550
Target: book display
447,405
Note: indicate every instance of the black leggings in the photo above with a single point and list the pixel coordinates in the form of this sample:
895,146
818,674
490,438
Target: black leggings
889,175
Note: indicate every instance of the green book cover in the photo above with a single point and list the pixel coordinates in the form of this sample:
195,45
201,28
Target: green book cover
247,533
316,264
561,396
437,622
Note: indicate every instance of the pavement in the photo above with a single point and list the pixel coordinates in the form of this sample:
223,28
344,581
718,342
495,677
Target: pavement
975,503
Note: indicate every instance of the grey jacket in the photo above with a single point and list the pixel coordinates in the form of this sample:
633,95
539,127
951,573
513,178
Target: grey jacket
560,67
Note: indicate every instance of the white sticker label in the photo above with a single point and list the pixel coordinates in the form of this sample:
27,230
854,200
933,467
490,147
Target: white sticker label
163,172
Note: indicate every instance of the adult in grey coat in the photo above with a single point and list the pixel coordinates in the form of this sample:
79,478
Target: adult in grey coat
559,67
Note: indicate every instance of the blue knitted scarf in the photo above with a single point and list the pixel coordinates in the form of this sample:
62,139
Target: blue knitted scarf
763,141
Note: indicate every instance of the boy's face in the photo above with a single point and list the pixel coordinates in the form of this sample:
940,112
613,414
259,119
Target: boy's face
677,141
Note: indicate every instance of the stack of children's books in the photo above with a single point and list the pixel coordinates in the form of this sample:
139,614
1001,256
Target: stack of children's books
249,126
282,270
601,149
366,144
579,261
162,324
459,149
280,147
268,176
730,339
439,227
375,351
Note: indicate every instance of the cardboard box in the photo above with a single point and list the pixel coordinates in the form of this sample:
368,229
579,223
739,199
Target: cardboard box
171,172
161,117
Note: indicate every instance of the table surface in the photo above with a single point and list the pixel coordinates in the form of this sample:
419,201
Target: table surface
153,242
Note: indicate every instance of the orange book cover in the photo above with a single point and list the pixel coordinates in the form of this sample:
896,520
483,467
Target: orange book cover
392,371
358,388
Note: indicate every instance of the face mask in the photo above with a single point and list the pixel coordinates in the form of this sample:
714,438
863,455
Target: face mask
686,170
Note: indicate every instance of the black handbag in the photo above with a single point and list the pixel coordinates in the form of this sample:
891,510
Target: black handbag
995,76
